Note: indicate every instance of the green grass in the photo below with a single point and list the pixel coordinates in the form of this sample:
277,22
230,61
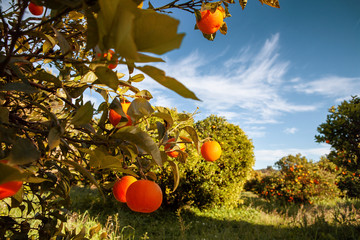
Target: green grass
254,219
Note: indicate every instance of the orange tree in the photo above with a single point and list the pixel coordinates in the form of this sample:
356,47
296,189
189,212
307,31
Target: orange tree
298,180
212,184
342,131
51,136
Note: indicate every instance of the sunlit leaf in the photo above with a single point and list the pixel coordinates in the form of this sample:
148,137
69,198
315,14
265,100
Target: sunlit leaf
169,82
47,77
144,94
54,137
94,229
271,3
156,33
175,170
166,117
137,78
107,77
243,3
83,114
142,140
139,108
223,29
194,136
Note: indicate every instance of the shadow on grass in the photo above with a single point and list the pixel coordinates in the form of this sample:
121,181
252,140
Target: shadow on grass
195,224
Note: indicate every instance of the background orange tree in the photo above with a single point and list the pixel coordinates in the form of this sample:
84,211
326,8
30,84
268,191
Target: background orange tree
342,131
51,137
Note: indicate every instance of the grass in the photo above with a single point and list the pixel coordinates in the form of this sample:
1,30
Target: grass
254,219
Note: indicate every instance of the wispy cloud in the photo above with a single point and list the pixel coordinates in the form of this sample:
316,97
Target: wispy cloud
332,86
247,88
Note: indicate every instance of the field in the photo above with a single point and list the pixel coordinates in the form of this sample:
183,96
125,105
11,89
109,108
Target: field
253,219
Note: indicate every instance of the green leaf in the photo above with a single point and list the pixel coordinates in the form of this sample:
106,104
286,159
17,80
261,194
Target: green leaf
167,118
94,229
83,115
23,152
63,43
19,87
223,29
76,92
144,94
141,140
161,130
137,78
9,173
156,33
89,77
139,108
86,173
194,136
92,33
107,77
54,137
175,170
169,82
49,43
4,115
115,23
47,77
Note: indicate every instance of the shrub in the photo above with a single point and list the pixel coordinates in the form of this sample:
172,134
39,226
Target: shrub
299,180
219,183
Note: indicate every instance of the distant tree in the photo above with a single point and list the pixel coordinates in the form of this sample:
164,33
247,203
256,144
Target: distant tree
342,131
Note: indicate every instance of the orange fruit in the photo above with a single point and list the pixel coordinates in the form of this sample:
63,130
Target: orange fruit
115,118
141,4
210,22
144,196
169,145
211,151
35,9
111,65
109,57
9,189
120,187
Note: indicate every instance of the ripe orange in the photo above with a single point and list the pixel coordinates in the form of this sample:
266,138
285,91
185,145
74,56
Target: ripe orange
120,187
141,4
9,189
211,151
115,118
168,146
210,22
144,196
35,9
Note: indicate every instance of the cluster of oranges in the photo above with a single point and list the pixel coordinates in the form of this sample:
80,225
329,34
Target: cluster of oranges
143,196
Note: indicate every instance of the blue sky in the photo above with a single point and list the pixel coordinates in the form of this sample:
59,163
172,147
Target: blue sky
275,74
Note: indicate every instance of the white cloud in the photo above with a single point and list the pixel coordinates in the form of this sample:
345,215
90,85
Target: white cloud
333,86
268,157
292,130
247,88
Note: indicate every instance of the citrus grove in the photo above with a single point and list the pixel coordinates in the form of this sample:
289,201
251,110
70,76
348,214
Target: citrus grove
54,53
